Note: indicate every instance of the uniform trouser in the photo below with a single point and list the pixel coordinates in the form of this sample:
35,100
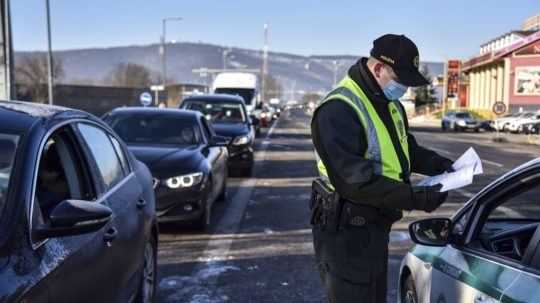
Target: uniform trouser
353,263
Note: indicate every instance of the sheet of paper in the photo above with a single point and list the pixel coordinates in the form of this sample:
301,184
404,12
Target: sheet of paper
469,158
468,165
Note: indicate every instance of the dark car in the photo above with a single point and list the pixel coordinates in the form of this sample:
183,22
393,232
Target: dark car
188,161
75,207
230,119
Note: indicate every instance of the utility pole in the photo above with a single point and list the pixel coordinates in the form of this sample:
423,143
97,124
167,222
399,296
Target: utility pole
163,49
50,71
265,63
225,53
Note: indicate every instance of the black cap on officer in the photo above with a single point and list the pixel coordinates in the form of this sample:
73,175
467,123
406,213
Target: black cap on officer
401,54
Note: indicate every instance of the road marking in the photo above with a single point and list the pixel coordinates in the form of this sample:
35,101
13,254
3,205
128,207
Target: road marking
217,248
492,163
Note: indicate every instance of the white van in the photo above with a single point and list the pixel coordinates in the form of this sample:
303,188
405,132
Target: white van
241,84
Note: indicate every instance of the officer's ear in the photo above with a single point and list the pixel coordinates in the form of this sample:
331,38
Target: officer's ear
377,70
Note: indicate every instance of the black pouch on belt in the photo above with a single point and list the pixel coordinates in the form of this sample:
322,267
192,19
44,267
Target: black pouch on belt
325,205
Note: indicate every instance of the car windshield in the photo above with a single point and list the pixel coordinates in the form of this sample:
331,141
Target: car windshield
218,112
463,115
155,129
8,146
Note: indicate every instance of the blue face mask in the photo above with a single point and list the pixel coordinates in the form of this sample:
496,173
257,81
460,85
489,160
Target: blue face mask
394,90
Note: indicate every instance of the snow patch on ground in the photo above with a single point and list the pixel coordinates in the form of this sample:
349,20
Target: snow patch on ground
196,288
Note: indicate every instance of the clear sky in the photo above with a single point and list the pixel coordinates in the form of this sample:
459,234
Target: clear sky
441,29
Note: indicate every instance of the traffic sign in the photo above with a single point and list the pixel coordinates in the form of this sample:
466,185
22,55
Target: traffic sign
499,108
146,99
157,87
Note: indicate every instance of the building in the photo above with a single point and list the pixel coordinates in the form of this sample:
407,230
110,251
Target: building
508,73
532,23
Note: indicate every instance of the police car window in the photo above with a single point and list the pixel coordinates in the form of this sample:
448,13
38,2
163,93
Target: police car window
104,154
8,148
523,204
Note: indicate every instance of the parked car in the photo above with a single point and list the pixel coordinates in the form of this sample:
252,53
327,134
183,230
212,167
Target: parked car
504,122
459,121
516,125
75,206
489,251
187,159
532,128
230,119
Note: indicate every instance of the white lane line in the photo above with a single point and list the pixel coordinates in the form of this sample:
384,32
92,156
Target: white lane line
217,249
442,151
492,163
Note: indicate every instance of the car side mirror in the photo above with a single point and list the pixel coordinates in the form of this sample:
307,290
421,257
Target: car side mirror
73,217
220,141
431,232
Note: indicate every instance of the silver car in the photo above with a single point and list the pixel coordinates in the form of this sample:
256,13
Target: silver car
489,251
460,121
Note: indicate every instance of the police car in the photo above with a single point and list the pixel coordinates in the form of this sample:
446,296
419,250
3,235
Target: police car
489,251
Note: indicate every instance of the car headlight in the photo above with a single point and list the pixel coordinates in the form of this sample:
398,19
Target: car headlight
263,115
461,123
184,181
242,140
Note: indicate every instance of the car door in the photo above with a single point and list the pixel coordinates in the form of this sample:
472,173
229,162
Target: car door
494,262
215,155
123,193
63,173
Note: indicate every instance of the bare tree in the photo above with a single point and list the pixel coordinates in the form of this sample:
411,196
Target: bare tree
31,73
129,75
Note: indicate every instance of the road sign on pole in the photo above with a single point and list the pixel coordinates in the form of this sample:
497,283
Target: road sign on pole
146,99
499,108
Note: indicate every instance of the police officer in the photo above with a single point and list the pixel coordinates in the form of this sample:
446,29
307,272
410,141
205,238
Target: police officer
365,156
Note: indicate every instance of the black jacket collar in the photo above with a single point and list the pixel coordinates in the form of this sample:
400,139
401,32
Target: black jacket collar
360,74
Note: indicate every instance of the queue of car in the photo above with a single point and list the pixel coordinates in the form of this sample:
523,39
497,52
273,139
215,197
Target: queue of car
76,190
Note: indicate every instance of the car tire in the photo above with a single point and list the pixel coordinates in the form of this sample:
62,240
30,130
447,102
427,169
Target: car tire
147,287
408,291
456,128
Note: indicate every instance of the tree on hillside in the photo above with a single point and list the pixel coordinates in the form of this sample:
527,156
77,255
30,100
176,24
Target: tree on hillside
425,94
31,75
129,75
272,88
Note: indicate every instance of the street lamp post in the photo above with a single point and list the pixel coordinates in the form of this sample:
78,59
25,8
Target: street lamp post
49,54
163,51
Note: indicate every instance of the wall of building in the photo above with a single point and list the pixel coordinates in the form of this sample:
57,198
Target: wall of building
486,86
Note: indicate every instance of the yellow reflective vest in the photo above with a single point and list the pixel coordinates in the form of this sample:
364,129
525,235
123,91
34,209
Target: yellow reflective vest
380,148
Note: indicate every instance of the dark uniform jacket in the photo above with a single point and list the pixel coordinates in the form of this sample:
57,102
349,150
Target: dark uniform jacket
340,140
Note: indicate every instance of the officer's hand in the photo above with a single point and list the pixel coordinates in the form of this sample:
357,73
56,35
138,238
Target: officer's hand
428,198
444,165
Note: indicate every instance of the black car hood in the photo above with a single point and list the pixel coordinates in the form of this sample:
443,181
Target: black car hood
166,162
231,129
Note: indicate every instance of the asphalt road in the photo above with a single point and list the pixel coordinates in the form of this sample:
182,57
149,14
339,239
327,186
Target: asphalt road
259,249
